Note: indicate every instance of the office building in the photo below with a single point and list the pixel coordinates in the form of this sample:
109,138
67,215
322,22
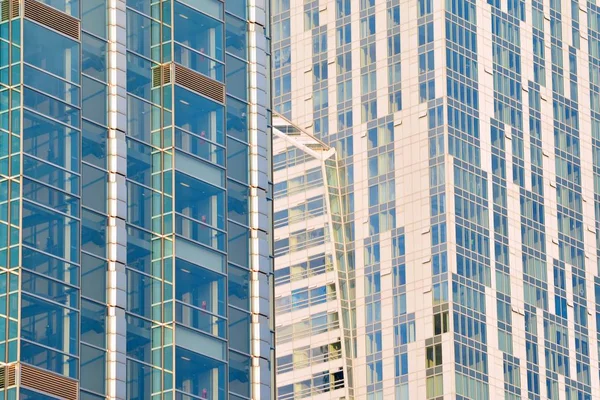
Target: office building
311,281
135,200
467,137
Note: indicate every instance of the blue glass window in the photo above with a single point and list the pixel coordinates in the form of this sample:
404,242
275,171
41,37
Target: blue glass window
94,16
200,287
62,61
199,201
49,324
199,375
199,115
94,62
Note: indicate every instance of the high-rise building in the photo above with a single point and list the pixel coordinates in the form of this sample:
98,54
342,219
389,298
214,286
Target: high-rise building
135,200
311,281
467,138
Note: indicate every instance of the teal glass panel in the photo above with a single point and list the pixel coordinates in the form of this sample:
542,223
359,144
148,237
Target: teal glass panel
239,373
70,7
239,322
199,62
199,232
51,107
26,394
139,249
236,33
94,57
94,100
93,277
51,85
139,381
50,197
49,359
139,338
93,323
141,33
199,201
139,162
200,287
141,118
62,60
50,232
199,115
50,141
237,77
199,375
50,289
49,266
49,324
238,244
94,188
199,146
93,369
50,175
238,287
139,76
142,6
238,202
93,233
94,144
239,8
238,160
90,396
94,16
142,292
140,202
214,8
201,320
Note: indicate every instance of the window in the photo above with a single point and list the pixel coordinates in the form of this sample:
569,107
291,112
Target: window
435,386
311,18
394,45
367,26
425,33
401,364
433,356
440,323
426,62
343,35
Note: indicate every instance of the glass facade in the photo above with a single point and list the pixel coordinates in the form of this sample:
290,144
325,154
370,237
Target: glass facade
135,200
466,136
311,276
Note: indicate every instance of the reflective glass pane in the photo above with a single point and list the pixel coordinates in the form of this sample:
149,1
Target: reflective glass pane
94,56
50,232
198,31
49,324
200,287
50,141
199,201
95,188
199,115
93,323
238,281
93,369
94,144
199,375
94,100
51,85
236,36
62,59
94,17
93,277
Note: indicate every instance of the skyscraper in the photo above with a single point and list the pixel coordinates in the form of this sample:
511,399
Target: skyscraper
466,135
135,200
311,264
